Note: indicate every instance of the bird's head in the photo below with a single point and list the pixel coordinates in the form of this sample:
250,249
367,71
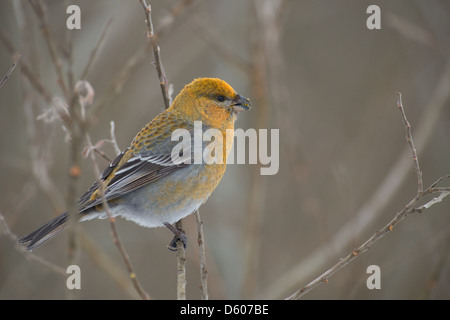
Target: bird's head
210,100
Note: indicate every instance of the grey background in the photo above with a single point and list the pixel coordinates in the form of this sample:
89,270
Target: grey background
331,91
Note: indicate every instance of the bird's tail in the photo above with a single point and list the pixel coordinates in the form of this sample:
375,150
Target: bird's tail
46,232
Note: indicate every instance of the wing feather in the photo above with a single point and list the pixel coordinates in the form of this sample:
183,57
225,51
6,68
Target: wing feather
138,171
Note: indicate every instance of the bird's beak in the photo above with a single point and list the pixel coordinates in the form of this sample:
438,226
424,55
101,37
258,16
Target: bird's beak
240,103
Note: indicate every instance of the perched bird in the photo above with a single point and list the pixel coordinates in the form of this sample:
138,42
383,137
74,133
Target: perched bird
144,184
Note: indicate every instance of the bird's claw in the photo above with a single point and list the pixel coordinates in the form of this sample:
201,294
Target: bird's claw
179,235
172,246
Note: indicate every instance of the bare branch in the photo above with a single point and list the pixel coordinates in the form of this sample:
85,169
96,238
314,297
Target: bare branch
164,83
11,69
409,139
202,257
26,70
108,264
181,265
113,138
408,209
165,89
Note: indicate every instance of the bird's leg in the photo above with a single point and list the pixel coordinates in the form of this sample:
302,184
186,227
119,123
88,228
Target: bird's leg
178,236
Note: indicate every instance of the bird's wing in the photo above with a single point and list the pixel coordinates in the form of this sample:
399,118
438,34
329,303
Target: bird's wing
136,172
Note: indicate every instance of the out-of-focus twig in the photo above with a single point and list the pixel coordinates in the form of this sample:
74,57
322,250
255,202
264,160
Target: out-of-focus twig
109,265
266,65
438,272
95,50
204,32
167,21
113,137
409,30
118,81
4,228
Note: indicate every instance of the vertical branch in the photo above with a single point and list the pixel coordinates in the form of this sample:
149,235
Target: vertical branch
266,60
164,83
258,187
75,129
181,266
202,257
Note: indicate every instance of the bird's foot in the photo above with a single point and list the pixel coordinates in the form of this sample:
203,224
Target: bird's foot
179,235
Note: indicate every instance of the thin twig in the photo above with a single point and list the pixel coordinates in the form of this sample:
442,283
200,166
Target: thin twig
41,13
261,67
108,264
408,209
202,257
76,126
11,69
164,83
409,139
95,50
167,21
113,137
26,70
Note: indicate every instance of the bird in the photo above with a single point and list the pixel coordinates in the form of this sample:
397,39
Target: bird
144,183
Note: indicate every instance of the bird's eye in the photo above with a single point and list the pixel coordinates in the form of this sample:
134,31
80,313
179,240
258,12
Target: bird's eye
221,98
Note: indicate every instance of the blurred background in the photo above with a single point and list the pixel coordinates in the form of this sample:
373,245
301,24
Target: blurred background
312,69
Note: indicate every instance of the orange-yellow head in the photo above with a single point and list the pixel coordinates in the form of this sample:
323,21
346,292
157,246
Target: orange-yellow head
210,100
